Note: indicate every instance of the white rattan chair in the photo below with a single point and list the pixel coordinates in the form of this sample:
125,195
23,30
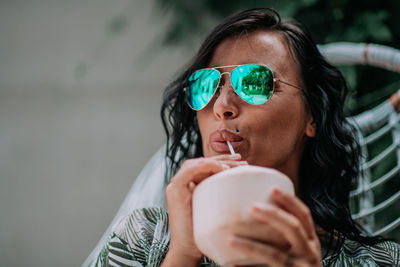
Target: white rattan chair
148,189
374,125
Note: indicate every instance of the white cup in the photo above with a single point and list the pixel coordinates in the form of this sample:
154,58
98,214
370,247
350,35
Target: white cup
226,198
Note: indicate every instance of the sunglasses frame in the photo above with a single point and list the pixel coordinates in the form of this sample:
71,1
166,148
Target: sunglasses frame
229,73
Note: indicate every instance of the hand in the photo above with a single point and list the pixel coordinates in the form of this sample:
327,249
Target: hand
288,236
179,200
395,101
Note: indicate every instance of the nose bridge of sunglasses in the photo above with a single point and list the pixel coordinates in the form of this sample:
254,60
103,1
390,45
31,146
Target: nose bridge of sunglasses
223,80
226,72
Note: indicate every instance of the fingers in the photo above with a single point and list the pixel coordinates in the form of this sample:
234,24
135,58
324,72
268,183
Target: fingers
256,230
196,170
179,198
395,101
295,206
287,225
236,156
259,251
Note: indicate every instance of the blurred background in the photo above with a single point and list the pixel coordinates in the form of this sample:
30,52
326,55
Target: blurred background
80,91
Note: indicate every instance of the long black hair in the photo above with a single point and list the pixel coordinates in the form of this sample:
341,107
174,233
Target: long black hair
330,163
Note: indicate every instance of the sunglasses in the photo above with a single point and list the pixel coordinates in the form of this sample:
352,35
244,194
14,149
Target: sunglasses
254,83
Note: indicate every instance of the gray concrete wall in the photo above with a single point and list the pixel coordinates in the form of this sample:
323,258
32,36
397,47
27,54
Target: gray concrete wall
79,117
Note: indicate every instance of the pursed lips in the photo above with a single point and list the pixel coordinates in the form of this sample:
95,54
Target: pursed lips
218,140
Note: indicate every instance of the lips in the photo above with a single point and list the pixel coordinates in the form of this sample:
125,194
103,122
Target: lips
218,140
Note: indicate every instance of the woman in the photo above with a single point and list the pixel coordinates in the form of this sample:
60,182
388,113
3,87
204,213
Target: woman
261,84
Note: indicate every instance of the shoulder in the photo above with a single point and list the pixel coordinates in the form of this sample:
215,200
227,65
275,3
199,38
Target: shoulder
352,253
140,239
389,250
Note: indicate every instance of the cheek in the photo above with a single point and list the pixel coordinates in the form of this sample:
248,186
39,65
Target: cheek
276,135
203,121
205,115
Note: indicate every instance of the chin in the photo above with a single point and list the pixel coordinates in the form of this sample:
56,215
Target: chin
258,163
208,153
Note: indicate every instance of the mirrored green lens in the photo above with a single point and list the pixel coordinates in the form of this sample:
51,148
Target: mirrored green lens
253,83
201,88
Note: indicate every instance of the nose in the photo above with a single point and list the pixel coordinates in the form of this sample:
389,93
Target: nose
225,105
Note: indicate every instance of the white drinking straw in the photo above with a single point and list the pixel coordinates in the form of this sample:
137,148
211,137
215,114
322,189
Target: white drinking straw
230,147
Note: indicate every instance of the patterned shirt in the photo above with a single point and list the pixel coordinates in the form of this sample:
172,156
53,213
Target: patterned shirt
142,239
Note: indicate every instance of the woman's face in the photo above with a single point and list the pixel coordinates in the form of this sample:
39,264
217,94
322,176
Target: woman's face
271,134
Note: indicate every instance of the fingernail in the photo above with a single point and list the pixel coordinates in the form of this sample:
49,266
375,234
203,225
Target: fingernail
277,192
225,166
192,185
259,206
235,156
234,241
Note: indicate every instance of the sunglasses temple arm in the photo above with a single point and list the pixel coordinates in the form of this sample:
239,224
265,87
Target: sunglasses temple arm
287,84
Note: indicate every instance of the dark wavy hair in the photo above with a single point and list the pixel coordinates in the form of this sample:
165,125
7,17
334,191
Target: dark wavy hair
330,163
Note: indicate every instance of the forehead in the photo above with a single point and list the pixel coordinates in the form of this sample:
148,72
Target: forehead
261,47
